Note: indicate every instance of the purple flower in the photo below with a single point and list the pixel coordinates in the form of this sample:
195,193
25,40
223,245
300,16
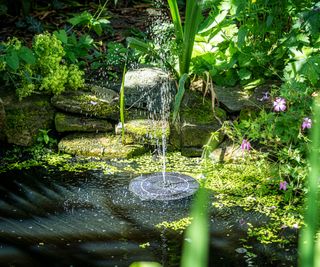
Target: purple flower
93,102
279,104
245,145
283,185
306,123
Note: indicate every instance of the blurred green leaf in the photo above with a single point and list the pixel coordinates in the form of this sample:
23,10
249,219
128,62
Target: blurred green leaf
196,245
82,19
12,60
26,55
145,264
62,36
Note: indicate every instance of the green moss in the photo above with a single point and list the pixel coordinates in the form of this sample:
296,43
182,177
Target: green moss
203,114
100,109
178,226
147,131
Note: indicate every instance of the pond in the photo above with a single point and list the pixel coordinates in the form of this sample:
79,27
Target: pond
62,218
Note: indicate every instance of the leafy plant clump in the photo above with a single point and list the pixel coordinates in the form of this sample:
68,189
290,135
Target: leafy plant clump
40,68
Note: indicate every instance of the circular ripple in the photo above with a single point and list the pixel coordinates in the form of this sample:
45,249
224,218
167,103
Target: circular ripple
155,186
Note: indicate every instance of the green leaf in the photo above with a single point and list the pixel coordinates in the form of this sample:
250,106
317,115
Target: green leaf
174,10
244,74
191,25
62,36
26,55
12,60
179,96
145,264
242,34
103,21
212,22
269,21
97,28
82,19
85,40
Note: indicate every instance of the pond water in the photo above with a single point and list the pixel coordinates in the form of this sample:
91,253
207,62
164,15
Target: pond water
55,218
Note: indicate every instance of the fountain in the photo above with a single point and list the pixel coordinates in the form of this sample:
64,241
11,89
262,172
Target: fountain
163,185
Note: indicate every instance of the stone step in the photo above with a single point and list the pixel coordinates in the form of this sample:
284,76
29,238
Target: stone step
103,145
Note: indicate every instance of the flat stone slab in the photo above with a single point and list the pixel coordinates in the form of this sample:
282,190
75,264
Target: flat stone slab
89,104
236,99
71,123
106,146
163,186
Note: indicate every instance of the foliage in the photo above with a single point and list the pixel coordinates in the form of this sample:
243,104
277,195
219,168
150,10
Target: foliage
40,68
91,22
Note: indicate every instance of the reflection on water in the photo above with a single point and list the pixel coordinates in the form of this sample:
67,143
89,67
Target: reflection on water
92,219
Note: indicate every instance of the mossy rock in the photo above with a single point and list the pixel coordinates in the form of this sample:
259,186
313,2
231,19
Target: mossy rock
25,118
70,123
2,121
89,104
149,88
146,131
106,146
197,122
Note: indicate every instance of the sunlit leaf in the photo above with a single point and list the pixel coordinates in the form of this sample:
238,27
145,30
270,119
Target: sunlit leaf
145,264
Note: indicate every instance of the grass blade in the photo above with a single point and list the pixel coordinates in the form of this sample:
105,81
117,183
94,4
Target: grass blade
192,22
179,96
122,103
174,10
311,218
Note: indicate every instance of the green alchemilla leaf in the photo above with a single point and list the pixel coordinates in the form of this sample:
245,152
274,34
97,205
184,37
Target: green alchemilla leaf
12,60
26,55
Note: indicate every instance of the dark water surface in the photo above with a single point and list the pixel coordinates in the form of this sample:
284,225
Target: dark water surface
91,219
